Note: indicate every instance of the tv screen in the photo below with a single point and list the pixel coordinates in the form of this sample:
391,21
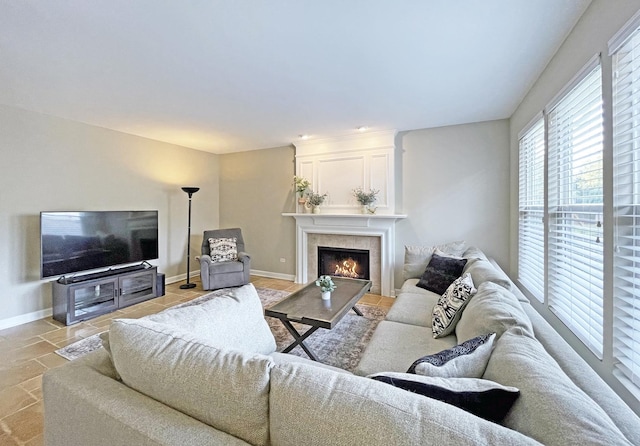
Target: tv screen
72,242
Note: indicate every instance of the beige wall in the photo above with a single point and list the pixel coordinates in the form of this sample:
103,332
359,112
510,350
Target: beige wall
54,164
455,186
452,182
255,189
590,36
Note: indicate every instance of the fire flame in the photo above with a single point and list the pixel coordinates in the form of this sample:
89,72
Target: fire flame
347,269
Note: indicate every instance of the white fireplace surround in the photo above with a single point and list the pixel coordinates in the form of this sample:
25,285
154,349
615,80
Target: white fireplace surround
382,226
336,166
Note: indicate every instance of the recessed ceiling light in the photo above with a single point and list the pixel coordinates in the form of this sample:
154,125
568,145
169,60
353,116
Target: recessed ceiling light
362,128
304,137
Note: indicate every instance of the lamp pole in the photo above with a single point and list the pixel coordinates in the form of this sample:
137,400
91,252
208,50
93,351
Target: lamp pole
190,191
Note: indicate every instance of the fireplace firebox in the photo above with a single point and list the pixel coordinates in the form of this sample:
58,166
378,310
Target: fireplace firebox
343,262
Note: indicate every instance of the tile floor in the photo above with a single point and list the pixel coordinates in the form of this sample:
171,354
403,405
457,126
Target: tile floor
26,351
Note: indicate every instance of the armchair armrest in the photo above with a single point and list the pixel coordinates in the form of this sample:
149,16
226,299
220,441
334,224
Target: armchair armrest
244,257
204,259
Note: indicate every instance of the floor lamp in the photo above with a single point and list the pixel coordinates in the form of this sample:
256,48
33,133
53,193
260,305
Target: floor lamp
190,191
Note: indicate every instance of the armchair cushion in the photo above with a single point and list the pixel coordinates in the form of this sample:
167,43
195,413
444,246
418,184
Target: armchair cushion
223,249
225,267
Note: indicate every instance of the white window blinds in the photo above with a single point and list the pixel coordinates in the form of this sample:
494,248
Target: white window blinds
531,209
575,144
626,149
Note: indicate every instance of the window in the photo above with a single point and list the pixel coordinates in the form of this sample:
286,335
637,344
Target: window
531,209
626,150
575,207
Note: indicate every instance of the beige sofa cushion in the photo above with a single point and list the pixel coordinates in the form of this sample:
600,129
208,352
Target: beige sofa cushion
492,309
482,270
313,406
551,408
226,389
394,346
413,305
234,320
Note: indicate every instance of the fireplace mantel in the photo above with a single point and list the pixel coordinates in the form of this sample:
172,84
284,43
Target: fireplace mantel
376,225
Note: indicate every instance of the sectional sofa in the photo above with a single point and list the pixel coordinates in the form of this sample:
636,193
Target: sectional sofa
208,374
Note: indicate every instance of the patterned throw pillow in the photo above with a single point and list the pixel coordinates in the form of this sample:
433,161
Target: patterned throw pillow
447,312
440,272
466,360
481,397
223,249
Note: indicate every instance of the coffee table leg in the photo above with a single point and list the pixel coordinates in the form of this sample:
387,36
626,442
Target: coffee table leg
299,340
358,312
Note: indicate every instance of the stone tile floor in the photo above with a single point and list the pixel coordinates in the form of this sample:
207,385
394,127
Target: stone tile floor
28,350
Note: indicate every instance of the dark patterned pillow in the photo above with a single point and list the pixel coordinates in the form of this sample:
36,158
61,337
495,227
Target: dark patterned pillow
446,313
440,272
466,360
481,397
223,249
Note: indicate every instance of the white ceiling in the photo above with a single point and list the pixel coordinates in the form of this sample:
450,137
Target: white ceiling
233,75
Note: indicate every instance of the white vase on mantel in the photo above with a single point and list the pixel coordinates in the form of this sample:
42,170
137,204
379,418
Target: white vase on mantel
326,295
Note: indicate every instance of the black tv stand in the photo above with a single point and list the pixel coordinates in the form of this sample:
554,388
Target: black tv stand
100,274
84,297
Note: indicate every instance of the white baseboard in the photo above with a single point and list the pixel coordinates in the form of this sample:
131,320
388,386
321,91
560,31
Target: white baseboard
25,318
271,275
254,272
180,277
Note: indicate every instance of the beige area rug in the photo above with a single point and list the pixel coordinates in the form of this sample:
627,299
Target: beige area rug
340,347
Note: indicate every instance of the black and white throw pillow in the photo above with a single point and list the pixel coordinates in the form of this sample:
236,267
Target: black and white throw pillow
466,360
446,313
223,249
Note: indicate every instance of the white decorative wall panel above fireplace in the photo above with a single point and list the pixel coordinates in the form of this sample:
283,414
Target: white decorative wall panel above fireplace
358,226
336,166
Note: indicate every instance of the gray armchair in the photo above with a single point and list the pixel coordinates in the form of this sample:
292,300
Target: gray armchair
226,274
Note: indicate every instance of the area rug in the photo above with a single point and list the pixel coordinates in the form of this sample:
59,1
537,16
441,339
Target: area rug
340,347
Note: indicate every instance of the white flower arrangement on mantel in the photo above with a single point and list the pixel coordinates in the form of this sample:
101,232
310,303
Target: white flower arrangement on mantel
366,199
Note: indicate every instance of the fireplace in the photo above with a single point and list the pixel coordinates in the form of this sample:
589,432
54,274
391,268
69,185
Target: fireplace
343,262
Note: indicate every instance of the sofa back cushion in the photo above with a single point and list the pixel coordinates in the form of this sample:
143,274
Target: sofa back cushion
492,309
313,406
234,320
482,270
226,389
551,408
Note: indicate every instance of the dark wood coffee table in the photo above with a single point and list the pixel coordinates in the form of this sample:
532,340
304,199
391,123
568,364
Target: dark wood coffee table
306,306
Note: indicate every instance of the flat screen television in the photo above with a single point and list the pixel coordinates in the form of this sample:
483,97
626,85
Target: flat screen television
76,242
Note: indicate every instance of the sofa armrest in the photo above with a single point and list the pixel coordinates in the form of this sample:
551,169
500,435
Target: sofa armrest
244,257
83,406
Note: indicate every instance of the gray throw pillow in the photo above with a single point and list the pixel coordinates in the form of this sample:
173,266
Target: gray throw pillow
440,273
466,360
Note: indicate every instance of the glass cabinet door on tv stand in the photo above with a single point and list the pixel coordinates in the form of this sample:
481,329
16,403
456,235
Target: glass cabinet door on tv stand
86,301
136,287
80,301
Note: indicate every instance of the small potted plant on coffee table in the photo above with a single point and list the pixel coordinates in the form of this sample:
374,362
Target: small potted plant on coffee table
326,286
